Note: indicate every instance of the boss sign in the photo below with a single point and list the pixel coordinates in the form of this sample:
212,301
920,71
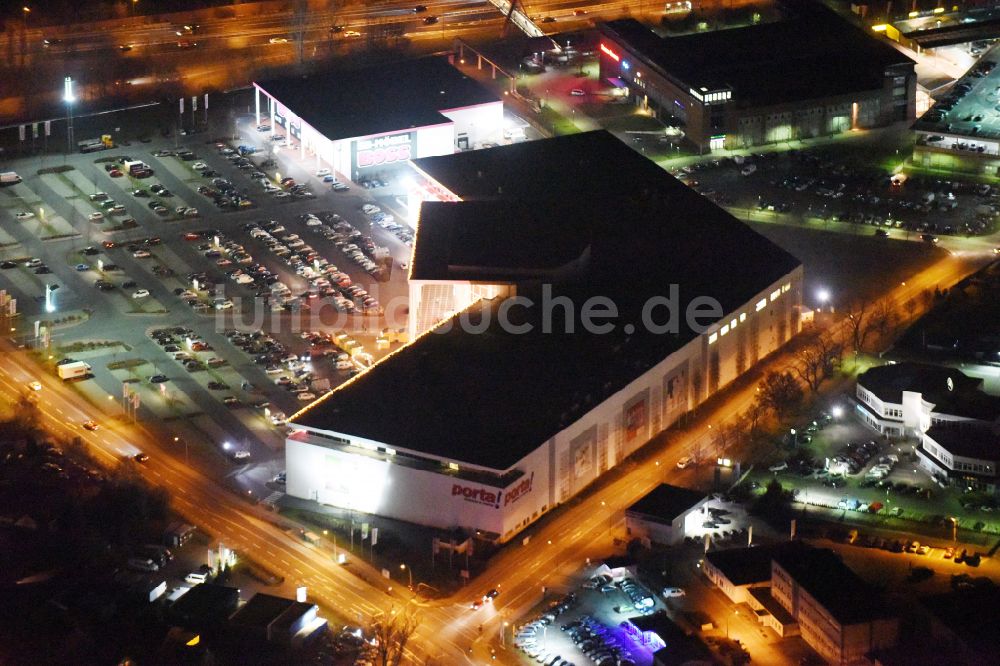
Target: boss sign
384,150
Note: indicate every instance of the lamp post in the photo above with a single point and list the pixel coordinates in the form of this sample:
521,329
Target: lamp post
69,98
409,571
25,13
823,295
187,461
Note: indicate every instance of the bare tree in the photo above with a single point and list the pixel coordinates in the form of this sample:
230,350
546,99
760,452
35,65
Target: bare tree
752,417
858,315
780,392
883,318
818,360
392,630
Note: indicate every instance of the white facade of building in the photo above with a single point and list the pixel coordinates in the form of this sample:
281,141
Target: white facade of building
913,416
361,474
356,157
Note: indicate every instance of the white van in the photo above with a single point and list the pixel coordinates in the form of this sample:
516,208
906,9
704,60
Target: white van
196,578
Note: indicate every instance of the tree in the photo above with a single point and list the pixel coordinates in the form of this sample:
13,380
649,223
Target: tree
818,360
883,317
780,392
392,631
857,322
774,503
753,416
26,412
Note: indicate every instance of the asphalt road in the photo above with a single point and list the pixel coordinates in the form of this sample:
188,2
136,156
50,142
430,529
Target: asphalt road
224,53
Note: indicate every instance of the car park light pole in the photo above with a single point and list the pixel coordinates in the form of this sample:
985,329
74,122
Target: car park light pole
187,460
409,571
69,98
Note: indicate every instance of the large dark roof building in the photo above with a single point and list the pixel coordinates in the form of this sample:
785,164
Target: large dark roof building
809,74
499,393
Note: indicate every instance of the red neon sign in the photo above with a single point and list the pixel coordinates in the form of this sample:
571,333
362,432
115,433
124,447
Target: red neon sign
610,53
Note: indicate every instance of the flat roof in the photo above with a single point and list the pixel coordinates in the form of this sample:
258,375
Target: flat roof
811,54
745,566
490,397
681,647
968,441
832,584
395,96
666,502
950,390
763,596
261,610
207,602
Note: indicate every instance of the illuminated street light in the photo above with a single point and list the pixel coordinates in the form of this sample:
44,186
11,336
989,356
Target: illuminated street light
409,571
837,411
69,98
823,296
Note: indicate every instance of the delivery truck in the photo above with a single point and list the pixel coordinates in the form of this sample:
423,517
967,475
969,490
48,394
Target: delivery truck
138,169
74,370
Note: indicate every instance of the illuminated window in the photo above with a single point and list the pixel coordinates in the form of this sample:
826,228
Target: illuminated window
761,304
743,317
786,287
732,324
712,338
724,330
453,466
775,294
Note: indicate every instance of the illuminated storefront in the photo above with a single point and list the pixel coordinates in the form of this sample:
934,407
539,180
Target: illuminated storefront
734,88
396,112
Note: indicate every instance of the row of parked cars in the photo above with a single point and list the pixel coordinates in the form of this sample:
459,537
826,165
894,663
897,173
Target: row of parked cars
326,280
853,456
598,642
388,222
527,638
291,372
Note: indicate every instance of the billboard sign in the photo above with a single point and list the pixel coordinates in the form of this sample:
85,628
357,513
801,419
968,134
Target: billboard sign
494,497
383,150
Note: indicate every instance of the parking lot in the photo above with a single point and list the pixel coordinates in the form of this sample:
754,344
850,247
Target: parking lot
584,627
281,280
834,184
855,474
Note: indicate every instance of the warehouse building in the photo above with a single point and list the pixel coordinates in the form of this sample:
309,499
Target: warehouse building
360,122
839,615
808,75
665,515
511,400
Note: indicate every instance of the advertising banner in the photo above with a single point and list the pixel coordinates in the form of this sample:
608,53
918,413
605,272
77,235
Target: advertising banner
383,150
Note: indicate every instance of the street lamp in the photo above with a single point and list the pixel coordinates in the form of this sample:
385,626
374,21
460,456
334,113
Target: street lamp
823,295
69,98
837,411
405,568
187,461
25,12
